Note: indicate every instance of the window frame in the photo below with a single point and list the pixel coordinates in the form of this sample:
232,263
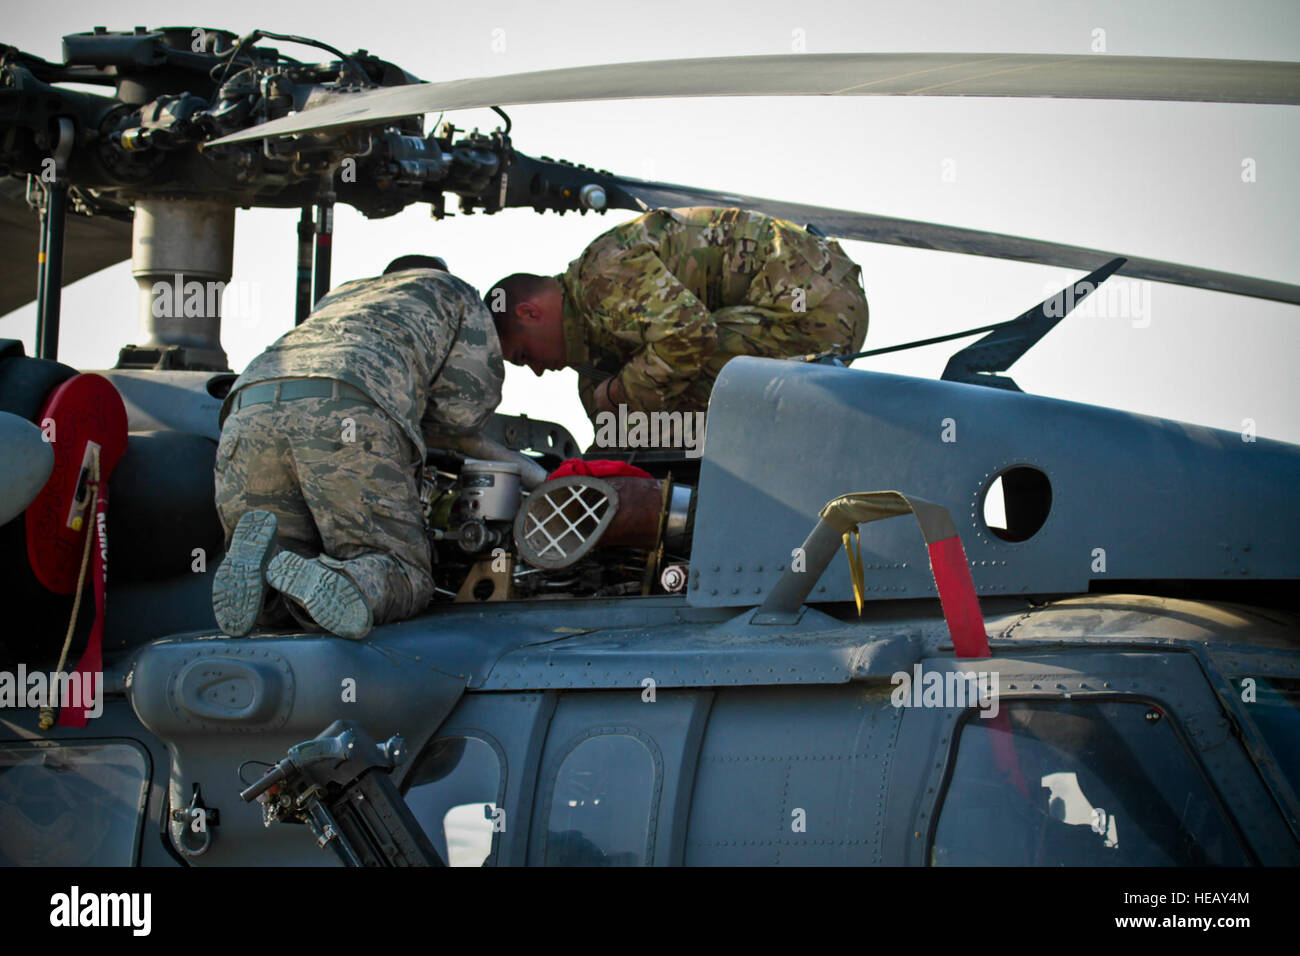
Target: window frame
477,733
675,721
142,804
1169,679
1226,666
1180,734
572,744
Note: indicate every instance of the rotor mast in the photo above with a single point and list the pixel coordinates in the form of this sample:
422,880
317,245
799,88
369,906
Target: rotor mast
182,253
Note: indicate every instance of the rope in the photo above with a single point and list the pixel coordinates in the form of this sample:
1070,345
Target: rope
47,712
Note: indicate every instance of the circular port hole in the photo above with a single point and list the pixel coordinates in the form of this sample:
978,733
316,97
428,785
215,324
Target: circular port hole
1017,502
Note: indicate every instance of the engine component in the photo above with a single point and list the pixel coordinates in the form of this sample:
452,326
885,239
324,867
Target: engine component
490,489
677,529
488,580
640,503
673,578
481,447
564,519
475,537
414,159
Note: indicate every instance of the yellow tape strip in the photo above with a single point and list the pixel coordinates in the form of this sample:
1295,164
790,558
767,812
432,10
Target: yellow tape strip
855,565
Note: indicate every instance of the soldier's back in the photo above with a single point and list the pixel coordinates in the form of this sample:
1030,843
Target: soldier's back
387,336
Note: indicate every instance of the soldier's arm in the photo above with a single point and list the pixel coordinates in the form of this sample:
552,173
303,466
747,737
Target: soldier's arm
467,390
637,298
586,390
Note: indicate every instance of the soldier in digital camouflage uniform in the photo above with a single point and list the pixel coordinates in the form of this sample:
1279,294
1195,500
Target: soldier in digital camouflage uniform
654,308
329,470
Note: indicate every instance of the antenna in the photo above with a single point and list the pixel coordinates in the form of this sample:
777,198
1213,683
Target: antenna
1005,344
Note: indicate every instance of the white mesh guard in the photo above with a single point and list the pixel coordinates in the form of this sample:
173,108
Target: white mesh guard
563,520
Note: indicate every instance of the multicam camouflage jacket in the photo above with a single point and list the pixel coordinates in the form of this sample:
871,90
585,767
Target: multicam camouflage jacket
419,342
662,299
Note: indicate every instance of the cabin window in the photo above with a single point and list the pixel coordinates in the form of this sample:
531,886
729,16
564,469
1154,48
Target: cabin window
455,791
71,805
1066,783
601,804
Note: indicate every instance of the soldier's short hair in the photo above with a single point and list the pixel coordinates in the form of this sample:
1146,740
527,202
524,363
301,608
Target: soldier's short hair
402,263
504,295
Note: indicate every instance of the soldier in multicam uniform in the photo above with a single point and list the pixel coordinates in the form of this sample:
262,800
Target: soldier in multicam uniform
654,308
322,444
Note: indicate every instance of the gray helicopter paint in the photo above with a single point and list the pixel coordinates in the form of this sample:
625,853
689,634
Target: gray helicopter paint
146,610
162,400
820,650
826,752
25,467
1163,499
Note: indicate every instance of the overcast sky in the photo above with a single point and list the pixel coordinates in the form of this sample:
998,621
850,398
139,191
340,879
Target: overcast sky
1151,179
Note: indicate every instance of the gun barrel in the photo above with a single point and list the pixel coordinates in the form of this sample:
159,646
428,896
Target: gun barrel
269,780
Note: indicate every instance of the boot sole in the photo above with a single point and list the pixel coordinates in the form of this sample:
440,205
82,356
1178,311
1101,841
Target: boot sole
239,586
333,602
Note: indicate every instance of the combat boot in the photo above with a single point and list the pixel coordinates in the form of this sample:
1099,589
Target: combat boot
329,596
239,586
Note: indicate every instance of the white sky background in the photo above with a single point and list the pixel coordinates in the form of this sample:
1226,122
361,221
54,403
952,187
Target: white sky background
1149,179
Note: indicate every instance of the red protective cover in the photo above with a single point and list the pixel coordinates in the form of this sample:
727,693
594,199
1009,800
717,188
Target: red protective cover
84,408
599,468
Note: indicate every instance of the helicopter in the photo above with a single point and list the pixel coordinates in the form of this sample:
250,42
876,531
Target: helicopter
1089,679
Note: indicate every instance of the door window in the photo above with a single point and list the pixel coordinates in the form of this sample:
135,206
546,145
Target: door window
1079,784
454,791
601,805
71,805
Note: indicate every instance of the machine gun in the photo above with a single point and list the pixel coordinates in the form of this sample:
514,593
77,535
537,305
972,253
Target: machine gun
338,784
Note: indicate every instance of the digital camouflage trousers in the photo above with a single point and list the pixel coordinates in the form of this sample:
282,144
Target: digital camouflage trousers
341,477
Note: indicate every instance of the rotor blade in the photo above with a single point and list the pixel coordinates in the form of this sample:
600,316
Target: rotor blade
823,74
927,235
91,244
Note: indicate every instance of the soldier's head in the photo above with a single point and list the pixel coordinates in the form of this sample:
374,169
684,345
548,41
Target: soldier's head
529,314
402,263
